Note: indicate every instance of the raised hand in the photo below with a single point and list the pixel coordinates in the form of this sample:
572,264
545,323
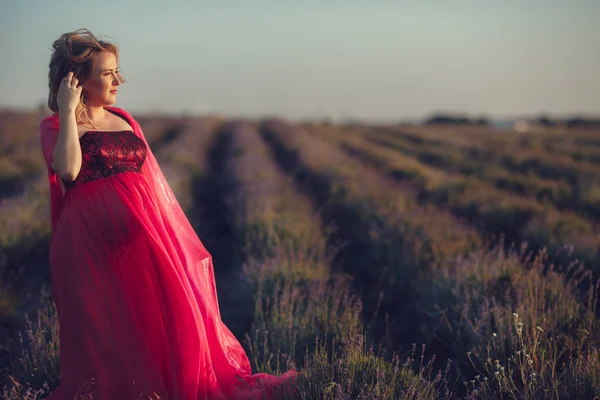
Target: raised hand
69,93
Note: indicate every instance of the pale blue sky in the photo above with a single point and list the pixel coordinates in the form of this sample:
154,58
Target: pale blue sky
366,59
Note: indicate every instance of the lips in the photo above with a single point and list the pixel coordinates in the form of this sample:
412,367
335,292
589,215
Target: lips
113,91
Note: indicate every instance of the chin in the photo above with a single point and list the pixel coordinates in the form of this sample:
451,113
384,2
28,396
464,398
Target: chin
111,98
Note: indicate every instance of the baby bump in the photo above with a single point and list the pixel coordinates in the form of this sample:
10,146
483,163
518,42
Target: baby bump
105,214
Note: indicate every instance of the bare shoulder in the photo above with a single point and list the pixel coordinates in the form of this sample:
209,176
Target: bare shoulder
121,111
125,114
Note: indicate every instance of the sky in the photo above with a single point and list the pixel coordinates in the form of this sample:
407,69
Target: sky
371,60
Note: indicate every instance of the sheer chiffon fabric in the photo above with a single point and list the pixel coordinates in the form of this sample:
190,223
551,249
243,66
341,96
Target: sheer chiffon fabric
134,286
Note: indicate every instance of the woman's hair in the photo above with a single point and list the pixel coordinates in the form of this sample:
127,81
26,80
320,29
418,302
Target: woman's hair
75,51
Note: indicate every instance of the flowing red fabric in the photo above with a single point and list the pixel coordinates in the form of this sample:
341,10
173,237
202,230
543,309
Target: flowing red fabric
134,286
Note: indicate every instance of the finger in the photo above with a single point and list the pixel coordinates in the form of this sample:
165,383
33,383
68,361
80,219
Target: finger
74,81
68,77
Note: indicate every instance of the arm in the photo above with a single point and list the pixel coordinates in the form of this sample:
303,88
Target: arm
67,151
49,131
66,156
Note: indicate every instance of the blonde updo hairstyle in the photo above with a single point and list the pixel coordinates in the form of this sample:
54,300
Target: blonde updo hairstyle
75,51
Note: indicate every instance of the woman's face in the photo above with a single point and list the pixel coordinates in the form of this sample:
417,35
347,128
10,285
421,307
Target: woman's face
101,87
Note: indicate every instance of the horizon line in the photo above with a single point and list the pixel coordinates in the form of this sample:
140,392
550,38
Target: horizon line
471,116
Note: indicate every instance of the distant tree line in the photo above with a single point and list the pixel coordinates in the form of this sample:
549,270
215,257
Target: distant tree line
444,119
542,120
573,122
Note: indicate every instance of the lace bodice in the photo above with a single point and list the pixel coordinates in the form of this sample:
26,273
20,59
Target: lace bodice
105,153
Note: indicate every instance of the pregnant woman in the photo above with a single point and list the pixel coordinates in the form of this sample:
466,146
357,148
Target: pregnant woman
133,285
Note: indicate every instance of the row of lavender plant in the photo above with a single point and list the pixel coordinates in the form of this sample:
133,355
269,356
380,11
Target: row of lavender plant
522,326
300,301
286,257
390,241
576,191
466,305
574,143
476,162
534,144
492,210
548,165
186,156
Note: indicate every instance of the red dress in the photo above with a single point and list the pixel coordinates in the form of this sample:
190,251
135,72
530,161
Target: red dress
133,285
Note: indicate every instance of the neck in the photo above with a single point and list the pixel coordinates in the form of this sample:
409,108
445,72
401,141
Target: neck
96,113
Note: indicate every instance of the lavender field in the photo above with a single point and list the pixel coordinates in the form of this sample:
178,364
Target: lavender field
385,262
